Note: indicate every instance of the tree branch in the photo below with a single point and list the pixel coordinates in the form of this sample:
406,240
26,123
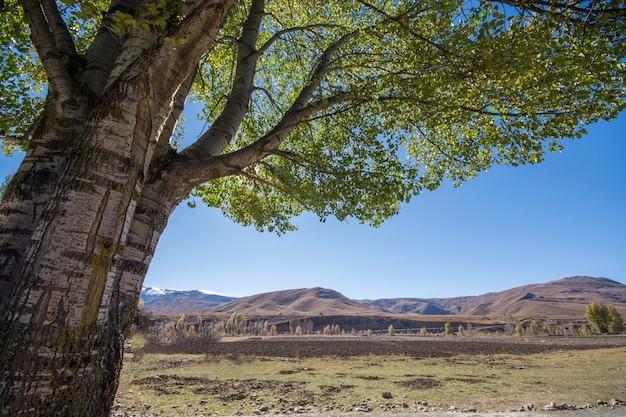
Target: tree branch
226,125
269,184
284,32
405,27
45,44
188,171
199,29
105,49
62,37
540,6
269,143
163,150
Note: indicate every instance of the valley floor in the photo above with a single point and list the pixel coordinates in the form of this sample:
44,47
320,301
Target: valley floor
378,375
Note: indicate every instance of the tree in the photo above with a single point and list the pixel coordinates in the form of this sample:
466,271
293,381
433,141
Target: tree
448,329
535,328
598,316
236,324
603,318
616,321
340,108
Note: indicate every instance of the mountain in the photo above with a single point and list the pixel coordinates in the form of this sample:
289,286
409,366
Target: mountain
164,301
299,302
564,298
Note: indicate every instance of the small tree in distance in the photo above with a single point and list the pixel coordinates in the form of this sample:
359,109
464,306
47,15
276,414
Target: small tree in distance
605,319
616,321
236,324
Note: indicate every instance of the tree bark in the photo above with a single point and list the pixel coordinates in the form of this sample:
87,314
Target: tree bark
79,223
62,354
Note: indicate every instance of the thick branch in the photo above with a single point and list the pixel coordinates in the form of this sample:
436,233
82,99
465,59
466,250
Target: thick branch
189,172
222,131
163,150
178,105
198,29
106,47
43,39
62,37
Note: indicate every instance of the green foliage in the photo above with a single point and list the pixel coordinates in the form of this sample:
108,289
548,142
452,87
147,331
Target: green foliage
448,329
23,78
616,321
157,18
423,92
391,330
605,319
405,95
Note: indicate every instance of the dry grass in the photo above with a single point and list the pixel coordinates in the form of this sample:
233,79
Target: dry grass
193,385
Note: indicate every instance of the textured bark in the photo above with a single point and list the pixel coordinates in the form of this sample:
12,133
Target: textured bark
81,218
62,353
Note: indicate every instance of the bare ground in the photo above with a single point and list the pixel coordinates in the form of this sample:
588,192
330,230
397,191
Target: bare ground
420,346
250,395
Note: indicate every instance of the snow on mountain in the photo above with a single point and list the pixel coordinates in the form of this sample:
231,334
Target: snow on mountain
162,300
154,291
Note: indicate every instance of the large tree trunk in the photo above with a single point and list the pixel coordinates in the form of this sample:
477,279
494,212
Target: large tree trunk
64,351
70,283
63,347
81,218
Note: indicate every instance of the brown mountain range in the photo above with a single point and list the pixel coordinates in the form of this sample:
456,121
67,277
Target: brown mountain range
565,298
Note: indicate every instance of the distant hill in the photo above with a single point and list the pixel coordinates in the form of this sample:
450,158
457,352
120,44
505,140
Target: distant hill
564,298
164,301
299,302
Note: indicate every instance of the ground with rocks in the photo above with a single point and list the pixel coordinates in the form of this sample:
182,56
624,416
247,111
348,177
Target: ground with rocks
278,397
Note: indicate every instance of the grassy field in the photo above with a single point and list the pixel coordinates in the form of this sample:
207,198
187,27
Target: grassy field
195,385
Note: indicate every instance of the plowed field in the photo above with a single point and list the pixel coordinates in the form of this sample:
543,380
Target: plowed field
426,347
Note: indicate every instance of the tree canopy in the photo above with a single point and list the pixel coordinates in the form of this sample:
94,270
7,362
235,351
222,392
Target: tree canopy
349,108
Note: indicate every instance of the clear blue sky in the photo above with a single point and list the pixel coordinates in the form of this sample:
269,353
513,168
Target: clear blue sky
506,228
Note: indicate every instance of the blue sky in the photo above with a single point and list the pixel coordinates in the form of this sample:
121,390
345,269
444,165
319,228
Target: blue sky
507,227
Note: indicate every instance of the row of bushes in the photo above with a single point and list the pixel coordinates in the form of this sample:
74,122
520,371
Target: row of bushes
601,319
